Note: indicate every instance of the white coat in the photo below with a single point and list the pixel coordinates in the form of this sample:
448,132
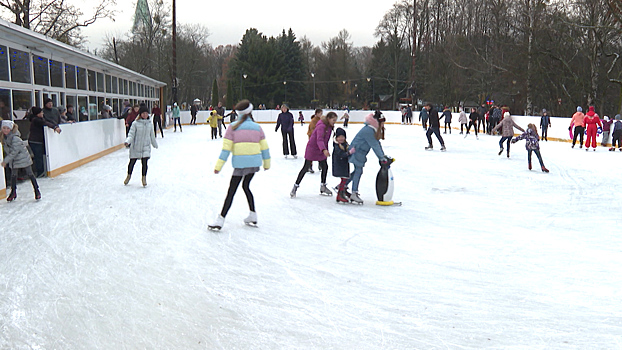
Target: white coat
140,138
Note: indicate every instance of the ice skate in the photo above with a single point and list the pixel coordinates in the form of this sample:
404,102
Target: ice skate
354,198
325,191
620,149
295,156
310,171
612,149
286,156
37,194
529,166
429,147
11,196
217,224
292,194
581,146
443,149
127,179
342,197
144,179
501,151
251,219
594,149
572,146
587,150
544,169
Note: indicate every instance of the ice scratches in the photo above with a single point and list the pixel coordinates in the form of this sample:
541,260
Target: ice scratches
451,189
211,291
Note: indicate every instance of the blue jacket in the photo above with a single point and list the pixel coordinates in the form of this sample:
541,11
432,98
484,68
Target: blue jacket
341,166
285,121
362,143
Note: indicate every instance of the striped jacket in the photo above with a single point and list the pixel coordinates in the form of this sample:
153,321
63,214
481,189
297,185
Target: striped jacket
248,145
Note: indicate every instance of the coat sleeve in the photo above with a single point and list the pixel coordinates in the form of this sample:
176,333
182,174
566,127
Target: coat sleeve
130,135
278,123
518,127
154,143
227,148
13,150
265,150
375,145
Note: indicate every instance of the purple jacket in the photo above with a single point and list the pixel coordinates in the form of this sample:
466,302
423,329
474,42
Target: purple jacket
607,125
318,142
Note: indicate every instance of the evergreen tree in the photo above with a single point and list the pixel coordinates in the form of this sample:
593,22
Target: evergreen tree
230,97
215,96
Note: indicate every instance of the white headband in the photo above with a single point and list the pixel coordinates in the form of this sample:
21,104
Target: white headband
248,110
8,124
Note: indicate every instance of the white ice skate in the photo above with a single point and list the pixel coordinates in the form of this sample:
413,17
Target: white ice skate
217,225
354,198
325,191
251,219
443,149
293,192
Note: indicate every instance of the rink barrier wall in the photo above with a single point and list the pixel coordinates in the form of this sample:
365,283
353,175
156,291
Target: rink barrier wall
2,190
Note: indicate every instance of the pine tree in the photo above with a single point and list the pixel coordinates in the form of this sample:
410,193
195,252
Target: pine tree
215,98
230,98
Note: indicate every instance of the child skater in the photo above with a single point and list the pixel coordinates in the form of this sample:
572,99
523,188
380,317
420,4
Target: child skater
17,157
532,144
213,119
617,134
507,126
139,140
463,120
341,165
317,150
301,118
246,140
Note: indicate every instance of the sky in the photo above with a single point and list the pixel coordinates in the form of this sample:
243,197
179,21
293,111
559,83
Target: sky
227,21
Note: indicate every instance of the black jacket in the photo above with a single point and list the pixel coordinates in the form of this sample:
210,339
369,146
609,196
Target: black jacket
433,118
36,128
341,166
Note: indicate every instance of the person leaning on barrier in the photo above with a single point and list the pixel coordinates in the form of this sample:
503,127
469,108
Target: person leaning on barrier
36,140
51,113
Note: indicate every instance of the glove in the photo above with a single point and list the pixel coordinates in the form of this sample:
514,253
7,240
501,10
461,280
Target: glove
384,160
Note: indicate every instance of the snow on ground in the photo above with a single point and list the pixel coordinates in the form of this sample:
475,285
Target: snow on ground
484,254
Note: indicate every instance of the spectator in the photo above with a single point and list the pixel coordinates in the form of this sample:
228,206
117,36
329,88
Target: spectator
63,114
51,113
131,116
221,112
36,139
106,112
70,117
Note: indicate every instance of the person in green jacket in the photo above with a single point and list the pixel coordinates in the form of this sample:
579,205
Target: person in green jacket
176,117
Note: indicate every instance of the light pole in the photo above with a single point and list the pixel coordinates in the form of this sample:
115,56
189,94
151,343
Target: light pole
373,92
285,83
345,89
313,76
242,83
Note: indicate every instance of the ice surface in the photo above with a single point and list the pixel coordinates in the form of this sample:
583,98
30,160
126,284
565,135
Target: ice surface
483,254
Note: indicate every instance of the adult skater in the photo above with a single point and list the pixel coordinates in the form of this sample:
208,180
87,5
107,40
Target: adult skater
285,121
194,109
246,140
435,127
221,122
36,140
507,126
157,119
545,122
481,111
409,115
532,144
578,122
617,134
447,117
314,119
17,157
368,138
317,150
592,121
139,140
473,118
423,118
462,119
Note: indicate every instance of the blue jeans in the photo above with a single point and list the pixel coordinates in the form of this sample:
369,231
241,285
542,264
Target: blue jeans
355,178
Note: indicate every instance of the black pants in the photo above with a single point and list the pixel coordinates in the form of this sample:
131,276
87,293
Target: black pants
436,130
193,120
578,130
157,122
291,144
481,123
38,150
447,124
29,173
143,162
214,133
545,133
233,187
462,126
175,122
617,137
409,119
537,152
425,123
307,166
345,122
472,123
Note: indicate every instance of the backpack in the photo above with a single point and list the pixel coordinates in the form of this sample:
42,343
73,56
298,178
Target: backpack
125,113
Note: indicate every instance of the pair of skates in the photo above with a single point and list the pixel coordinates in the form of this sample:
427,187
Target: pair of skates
251,220
13,195
343,196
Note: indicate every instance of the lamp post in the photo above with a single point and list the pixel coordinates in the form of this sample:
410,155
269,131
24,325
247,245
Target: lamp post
345,89
242,83
313,76
373,92
285,83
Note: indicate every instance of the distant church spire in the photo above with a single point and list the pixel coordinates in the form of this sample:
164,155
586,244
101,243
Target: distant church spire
142,16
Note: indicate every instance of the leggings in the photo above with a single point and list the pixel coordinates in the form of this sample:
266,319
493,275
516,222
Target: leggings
175,122
307,166
537,152
578,130
474,124
193,120
508,139
447,124
214,133
436,131
157,122
233,187
143,162
33,180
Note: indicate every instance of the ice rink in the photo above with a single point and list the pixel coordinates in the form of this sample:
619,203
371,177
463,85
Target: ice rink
483,254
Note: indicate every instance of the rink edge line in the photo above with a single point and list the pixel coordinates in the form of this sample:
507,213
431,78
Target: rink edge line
83,161
3,193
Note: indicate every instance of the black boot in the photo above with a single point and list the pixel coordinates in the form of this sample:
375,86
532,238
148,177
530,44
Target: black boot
35,186
13,193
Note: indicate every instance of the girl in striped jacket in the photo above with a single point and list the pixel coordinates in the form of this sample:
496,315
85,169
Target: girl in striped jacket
247,142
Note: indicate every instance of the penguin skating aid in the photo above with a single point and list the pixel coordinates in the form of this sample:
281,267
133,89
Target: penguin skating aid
384,183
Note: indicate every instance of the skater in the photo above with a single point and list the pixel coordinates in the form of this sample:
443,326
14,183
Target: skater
617,134
139,140
435,127
131,116
507,126
463,120
157,119
341,164
423,118
176,117
346,118
247,142
232,116
194,109
447,116
213,119
221,123
285,121
366,139
409,115
17,157
545,122
314,119
317,150
591,121
532,144
301,118
473,118
481,111
578,122
606,131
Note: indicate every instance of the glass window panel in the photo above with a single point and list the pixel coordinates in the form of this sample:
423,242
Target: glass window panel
93,108
83,108
100,106
125,87
114,85
5,105
42,75
92,80
70,76
4,63
100,82
56,73
22,101
108,83
20,66
82,79
72,102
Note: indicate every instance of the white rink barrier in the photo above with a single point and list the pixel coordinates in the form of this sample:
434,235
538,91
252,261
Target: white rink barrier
3,189
80,143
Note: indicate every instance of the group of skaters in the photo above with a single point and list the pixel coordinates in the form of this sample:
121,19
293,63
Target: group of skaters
588,124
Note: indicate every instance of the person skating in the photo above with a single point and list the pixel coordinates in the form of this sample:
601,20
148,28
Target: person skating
301,118
285,121
462,119
176,117
213,119
473,118
507,126
435,127
247,142
578,122
532,144
606,130
17,157
314,119
317,150
139,140
368,138
447,117
592,121
423,118
341,164
617,134
545,122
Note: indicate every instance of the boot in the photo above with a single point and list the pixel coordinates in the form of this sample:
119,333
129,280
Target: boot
310,171
501,151
12,196
37,194
144,181
325,191
218,223
127,179
342,197
251,219
293,192
443,149
612,149
529,166
429,147
544,169
354,198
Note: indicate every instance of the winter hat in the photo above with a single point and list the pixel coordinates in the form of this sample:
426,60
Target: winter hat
46,100
175,104
371,121
579,109
543,110
62,109
606,117
618,117
340,132
506,114
9,124
591,112
35,110
143,108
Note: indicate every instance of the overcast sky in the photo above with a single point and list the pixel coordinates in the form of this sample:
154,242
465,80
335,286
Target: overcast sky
227,20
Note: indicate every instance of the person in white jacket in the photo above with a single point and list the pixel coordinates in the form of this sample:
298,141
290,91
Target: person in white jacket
463,120
139,140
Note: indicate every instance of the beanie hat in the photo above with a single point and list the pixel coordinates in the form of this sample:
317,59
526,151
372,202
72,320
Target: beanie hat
46,100
618,117
606,117
371,121
62,109
35,110
143,108
340,132
579,109
506,114
8,123
543,110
